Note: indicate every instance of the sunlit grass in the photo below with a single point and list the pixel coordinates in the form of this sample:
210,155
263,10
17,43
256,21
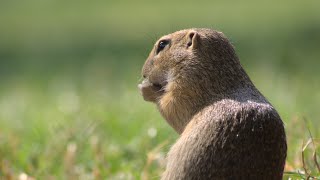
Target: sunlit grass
69,132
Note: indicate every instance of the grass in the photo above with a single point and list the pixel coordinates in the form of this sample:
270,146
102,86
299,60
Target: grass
69,106
62,132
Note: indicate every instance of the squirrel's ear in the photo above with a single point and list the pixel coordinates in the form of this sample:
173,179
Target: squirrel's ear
193,39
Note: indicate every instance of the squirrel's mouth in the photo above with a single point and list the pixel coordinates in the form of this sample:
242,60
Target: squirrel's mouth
151,91
160,87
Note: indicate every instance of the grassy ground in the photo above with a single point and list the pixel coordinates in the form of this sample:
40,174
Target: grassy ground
69,106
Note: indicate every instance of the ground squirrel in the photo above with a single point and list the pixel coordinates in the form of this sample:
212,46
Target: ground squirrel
228,130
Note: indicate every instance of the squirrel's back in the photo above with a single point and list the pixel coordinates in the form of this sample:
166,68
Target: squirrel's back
230,140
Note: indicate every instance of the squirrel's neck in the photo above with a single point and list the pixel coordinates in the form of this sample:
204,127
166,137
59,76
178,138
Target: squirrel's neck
180,103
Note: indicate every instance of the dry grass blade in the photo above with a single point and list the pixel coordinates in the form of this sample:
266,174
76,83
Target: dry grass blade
314,147
303,162
307,144
316,161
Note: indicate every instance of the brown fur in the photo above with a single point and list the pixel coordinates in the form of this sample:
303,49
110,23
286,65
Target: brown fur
228,130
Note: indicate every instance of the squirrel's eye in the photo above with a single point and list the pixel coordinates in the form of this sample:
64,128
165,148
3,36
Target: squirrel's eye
162,44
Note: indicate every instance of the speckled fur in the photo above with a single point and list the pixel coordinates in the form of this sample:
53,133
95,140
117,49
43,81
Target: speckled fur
228,130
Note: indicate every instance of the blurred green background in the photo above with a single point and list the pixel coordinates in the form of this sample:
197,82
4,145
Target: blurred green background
69,104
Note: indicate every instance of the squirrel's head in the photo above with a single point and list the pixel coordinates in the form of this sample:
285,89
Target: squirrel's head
186,58
166,60
188,66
